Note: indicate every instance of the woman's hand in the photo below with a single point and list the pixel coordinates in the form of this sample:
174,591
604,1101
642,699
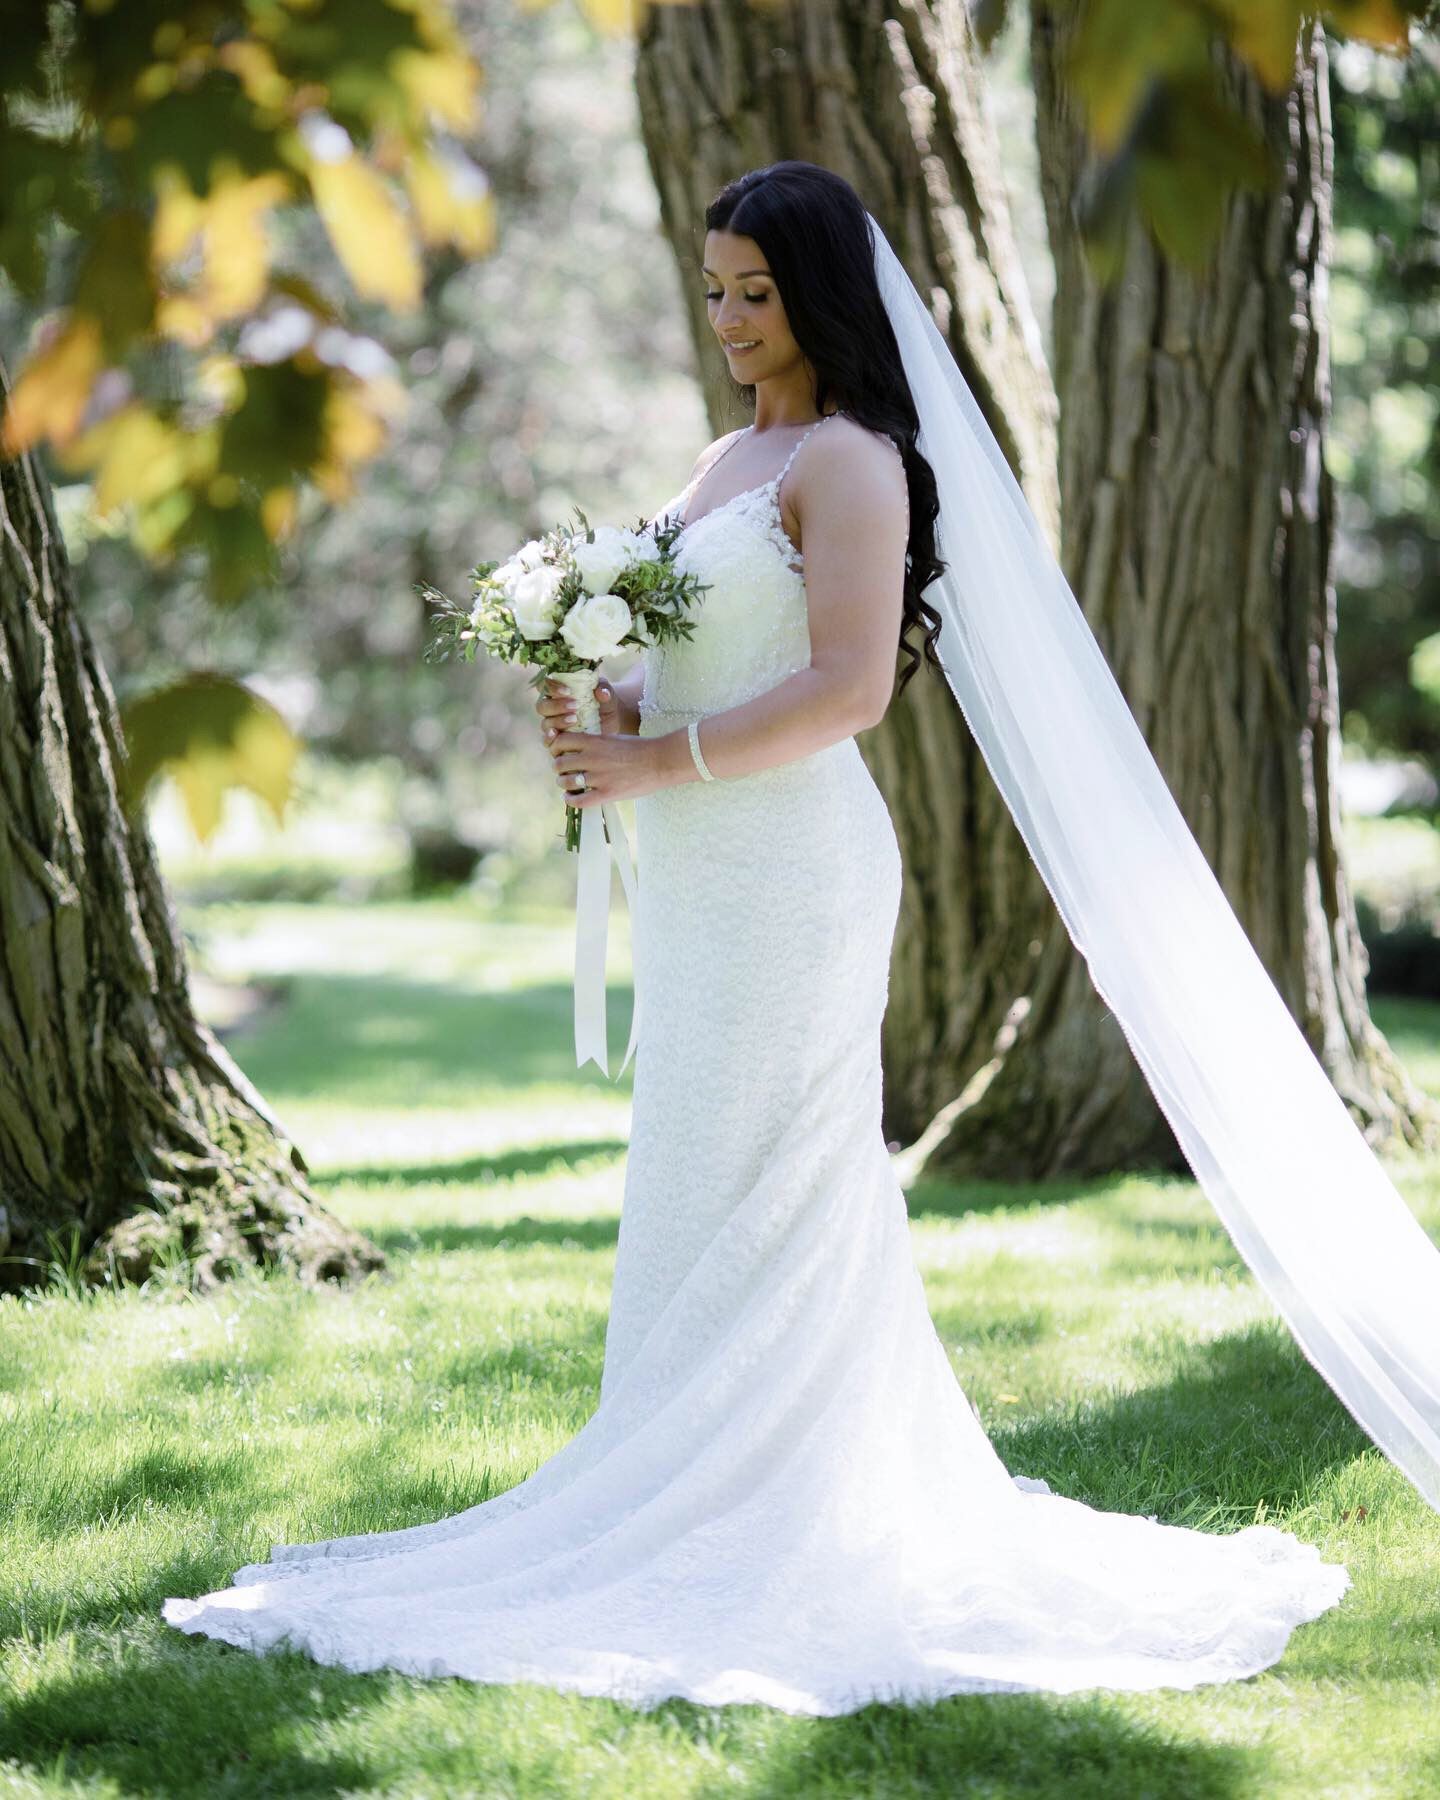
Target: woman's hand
557,709
615,768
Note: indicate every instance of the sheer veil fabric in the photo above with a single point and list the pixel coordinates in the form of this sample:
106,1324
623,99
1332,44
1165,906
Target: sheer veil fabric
1305,1199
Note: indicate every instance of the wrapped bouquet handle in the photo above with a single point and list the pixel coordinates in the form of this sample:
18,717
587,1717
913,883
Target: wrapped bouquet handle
602,835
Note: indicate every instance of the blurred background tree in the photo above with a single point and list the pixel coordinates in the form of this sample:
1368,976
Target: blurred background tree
1385,312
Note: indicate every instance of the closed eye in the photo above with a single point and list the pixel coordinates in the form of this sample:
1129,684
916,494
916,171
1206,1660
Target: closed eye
754,299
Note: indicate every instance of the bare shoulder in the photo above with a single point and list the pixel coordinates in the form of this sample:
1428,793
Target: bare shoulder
846,444
851,467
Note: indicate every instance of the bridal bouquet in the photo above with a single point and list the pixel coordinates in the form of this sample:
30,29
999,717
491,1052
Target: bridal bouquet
564,602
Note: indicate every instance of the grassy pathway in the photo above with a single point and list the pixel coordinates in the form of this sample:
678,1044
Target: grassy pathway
1109,1334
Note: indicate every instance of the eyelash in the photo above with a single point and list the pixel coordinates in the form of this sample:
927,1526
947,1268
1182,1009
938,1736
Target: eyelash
754,299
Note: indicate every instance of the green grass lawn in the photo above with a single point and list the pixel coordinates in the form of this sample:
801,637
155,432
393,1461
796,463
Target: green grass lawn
421,1054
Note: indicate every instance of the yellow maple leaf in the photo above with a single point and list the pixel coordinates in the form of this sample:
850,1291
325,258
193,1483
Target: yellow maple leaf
278,512
210,733
354,431
53,387
253,64
452,201
368,230
444,82
1378,22
135,455
179,215
237,247
182,318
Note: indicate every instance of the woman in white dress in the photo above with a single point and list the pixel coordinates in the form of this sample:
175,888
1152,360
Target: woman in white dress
783,1495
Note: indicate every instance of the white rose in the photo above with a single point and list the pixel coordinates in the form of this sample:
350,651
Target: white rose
594,626
600,561
534,600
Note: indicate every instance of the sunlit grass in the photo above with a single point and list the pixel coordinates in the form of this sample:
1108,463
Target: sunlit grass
1106,1330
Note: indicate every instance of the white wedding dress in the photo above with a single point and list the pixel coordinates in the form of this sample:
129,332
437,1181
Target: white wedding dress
783,1495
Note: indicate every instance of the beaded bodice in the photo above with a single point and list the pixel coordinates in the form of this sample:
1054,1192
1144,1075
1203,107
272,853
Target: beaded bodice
752,626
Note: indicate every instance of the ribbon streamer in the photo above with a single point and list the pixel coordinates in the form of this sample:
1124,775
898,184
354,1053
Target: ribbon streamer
592,930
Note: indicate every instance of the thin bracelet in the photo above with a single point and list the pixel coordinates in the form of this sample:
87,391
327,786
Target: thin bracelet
705,774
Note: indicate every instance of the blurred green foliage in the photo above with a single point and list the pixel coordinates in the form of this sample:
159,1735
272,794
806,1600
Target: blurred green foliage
557,369
1384,450
1173,141
147,149
180,362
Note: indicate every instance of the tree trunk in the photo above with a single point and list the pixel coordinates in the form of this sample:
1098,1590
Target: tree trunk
128,1137
891,98
1197,531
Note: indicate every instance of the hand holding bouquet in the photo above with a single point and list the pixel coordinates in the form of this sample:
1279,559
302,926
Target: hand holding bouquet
565,601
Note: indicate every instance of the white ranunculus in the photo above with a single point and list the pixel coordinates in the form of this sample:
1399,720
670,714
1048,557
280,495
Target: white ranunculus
531,555
601,560
534,600
642,546
506,574
594,626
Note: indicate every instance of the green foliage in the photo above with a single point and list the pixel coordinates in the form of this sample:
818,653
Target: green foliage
1385,443
1172,142
210,734
147,149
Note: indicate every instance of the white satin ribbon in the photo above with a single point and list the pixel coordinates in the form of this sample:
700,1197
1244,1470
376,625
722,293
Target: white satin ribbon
592,930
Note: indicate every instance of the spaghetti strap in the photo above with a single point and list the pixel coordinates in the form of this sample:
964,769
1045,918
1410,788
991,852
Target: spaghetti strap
687,492
795,451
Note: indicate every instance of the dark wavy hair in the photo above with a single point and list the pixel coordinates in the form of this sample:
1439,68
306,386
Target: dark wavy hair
812,227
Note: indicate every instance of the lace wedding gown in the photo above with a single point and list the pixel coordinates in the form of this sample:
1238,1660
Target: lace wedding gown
783,1495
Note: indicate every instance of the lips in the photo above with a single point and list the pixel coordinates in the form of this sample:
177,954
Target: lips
742,349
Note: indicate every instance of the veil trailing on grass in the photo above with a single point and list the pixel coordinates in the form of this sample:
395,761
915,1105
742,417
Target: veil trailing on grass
1306,1201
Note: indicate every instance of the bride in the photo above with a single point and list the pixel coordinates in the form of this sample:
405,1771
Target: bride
783,1495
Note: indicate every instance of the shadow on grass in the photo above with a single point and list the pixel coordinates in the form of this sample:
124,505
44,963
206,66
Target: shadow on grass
352,1038
510,1234
1081,1747
533,1159
976,1325
168,1477
933,1197
1244,1418
199,1717
196,1718
569,1365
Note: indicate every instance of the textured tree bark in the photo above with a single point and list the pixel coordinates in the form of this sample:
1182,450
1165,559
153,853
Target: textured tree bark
889,96
128,1137
1197,533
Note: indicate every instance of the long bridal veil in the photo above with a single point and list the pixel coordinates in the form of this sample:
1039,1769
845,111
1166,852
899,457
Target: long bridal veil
1301,1193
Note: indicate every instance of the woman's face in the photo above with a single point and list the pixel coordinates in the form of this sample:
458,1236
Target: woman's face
745,310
